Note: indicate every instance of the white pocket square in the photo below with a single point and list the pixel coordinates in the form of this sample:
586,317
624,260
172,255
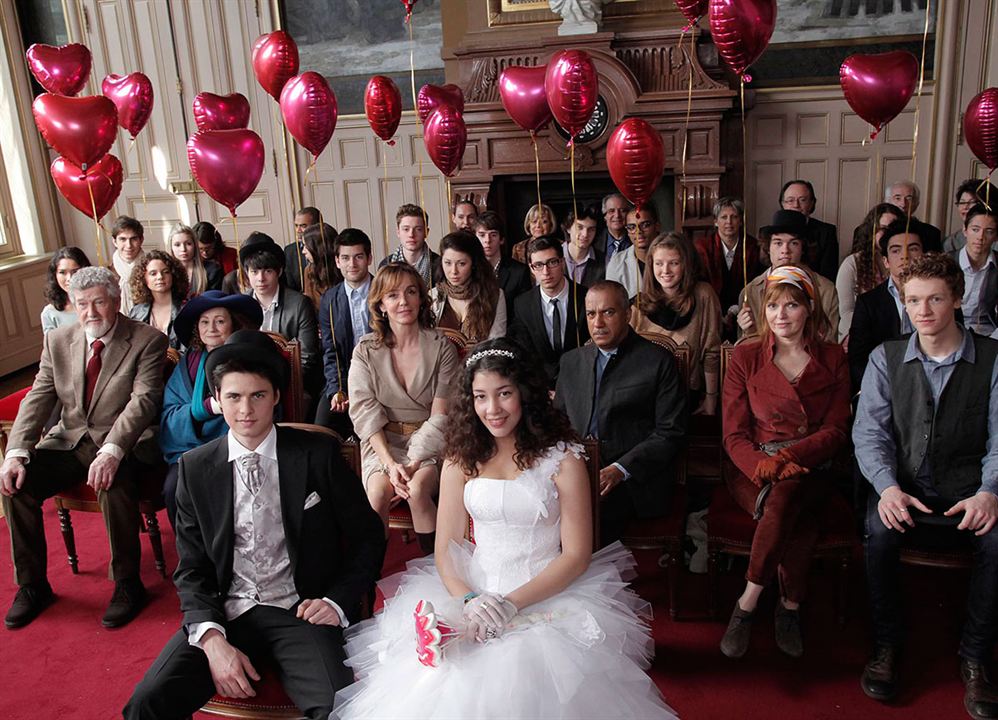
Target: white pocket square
312,500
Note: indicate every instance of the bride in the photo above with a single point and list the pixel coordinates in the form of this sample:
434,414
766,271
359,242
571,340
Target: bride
534,625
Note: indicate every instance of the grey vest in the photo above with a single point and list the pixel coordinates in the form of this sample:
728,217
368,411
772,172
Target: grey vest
953,435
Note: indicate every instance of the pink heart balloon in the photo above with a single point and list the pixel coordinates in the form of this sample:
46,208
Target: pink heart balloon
61,70
741,30
133,96
383,107
82,130
521,90
275,61
445,137
227,164
308,106
980,127
878,86
572,88
692,10
433,96
221,112
635,156
104,178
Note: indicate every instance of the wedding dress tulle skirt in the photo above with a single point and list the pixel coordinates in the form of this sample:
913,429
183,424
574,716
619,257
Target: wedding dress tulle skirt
578,654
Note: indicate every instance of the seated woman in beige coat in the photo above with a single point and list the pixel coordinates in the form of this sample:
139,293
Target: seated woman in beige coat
399,382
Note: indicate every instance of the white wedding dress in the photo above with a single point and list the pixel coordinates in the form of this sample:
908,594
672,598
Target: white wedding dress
578,654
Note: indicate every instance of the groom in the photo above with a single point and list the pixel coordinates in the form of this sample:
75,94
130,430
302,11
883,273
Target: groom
277,547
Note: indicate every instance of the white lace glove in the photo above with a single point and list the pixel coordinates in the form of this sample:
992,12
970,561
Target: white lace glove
488,614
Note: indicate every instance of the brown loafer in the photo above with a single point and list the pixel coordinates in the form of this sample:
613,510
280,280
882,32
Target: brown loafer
980,698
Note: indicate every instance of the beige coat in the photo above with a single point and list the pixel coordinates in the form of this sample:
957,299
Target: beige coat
126,401
377,397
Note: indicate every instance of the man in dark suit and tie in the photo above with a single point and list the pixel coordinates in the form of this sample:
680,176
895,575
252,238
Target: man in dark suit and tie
344,319
627,392
823,238
879,315
107,373
277,548
514,277
613,238
549,320
295,260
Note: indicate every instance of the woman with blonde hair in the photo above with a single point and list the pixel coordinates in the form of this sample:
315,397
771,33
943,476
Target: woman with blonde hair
675,302
538,221
204,275
399,383
785,417
468,299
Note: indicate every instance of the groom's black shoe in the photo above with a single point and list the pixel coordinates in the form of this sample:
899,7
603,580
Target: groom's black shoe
880,678
980,698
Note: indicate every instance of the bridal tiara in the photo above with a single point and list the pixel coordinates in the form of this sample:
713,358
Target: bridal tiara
487,353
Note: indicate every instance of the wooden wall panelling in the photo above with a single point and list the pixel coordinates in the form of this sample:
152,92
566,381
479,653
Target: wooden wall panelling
21,298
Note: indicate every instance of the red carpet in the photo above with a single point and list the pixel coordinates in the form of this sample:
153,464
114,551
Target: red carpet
65,665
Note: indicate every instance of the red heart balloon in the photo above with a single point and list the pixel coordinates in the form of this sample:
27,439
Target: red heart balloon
104,178
741,30
445,136
635,156
433,96
878,86
980,127
521,90
407,4
383,107
572,88
82,130
62,70
133,96
227,164
221,112
692,10
308,106
275,61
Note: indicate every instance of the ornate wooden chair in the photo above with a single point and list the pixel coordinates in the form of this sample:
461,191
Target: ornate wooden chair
82,497
730,530
665,534
271,702
293,402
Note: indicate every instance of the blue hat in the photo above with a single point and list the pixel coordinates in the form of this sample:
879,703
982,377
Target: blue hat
187,318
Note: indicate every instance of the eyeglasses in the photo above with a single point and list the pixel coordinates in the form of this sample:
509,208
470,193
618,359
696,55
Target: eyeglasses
644,225
966,203
549,264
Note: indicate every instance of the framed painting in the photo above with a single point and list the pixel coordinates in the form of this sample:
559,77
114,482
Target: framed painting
348,41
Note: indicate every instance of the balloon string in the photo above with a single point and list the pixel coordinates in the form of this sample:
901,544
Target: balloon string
575,216
93,209
571,158
689,109
284,145
918,95
447,189
384,162
332,325
142,180
419,120
986,186
301,263
537,168
745,278
239,247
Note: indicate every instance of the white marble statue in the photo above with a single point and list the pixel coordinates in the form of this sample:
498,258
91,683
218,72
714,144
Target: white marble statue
579,17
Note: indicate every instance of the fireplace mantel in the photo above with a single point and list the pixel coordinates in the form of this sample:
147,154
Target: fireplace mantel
642,73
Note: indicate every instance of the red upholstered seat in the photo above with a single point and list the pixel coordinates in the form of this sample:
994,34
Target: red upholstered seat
9,405
271,701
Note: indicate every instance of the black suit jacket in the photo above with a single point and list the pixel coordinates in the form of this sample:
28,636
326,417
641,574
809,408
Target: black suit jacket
642,414
336,299
292,273
514,279
528,327
823,248
601,239
336,547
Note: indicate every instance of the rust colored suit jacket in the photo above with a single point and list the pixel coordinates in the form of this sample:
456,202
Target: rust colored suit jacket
126,401
760,405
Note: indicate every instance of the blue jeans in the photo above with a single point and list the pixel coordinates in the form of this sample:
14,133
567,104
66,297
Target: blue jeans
882,550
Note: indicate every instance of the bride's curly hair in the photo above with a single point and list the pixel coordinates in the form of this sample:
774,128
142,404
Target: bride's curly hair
469,443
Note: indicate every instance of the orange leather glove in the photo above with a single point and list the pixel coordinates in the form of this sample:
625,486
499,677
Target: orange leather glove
767,470
791,466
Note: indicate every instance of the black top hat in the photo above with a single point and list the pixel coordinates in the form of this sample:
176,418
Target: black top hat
260,242
788,221
187,318
255,348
